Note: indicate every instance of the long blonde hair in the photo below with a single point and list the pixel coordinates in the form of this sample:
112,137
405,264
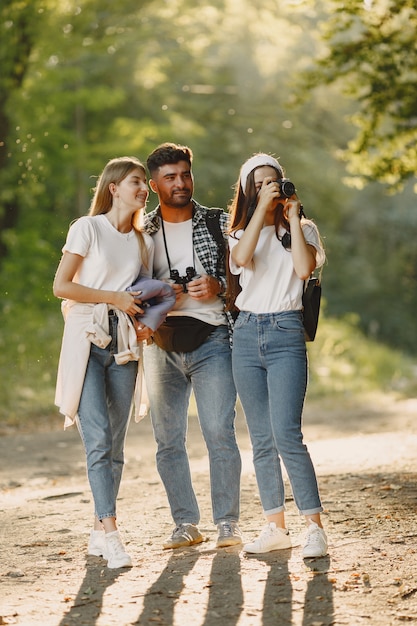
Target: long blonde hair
115,171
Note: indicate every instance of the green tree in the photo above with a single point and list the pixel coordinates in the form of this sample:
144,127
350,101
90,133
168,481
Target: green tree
371,54
19,21
102,79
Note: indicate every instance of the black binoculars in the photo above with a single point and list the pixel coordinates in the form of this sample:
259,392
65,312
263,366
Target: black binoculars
190,274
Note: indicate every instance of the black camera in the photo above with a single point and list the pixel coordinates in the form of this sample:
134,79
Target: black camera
190,274
287,188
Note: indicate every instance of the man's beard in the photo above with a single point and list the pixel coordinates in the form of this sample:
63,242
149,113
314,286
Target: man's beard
180,201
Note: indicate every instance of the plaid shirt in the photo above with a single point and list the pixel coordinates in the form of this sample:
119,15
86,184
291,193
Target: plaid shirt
204,244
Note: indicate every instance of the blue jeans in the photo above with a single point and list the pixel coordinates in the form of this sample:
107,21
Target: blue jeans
170,377
270,371
103,418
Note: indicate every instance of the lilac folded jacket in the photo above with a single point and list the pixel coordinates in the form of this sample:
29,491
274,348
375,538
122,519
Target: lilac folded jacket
157,299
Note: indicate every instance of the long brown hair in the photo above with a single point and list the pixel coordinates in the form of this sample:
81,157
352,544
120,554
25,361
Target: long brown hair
115,171
241,210
244,203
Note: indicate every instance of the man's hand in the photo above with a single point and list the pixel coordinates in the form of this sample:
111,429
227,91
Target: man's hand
142,332
178,289
204,288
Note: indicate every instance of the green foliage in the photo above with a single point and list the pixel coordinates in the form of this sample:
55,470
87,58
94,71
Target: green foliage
29,349
343,361
372,56
86,81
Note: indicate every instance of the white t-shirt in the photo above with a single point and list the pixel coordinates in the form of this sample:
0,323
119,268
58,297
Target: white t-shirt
270,284
111,259
179,240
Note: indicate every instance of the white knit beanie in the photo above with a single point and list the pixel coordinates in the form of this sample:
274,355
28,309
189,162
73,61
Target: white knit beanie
258,160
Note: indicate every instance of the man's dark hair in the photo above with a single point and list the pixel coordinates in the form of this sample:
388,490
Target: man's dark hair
166,154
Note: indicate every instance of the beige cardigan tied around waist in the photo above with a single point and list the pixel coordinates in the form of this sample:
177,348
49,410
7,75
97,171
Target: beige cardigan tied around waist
86,324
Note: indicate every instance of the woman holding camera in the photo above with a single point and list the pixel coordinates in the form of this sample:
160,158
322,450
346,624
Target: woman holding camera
273,249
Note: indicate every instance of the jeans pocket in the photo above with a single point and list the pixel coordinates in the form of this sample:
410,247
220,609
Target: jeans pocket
290,323
241,320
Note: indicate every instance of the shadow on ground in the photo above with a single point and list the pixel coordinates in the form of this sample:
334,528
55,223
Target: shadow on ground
368,485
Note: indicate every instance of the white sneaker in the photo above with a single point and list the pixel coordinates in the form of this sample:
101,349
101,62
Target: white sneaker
271,538
97,543
116,555
315,543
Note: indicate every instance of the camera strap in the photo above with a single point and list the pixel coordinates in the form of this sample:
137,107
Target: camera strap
166,245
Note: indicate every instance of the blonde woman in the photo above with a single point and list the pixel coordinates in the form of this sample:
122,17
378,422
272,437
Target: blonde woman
103,255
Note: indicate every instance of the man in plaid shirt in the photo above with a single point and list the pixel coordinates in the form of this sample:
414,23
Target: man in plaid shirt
191,352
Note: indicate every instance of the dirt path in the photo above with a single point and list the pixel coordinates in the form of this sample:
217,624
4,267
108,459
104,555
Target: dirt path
366,459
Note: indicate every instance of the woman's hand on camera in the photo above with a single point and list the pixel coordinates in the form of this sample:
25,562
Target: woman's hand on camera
269,193
292,207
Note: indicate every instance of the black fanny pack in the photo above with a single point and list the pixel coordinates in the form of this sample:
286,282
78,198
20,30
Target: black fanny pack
182,333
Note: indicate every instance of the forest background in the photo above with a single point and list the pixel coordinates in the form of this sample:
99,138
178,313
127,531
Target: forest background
327,86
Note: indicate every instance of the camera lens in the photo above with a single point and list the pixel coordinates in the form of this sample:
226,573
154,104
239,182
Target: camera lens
287,188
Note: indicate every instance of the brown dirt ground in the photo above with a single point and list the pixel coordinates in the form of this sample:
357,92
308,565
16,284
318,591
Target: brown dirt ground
365,457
